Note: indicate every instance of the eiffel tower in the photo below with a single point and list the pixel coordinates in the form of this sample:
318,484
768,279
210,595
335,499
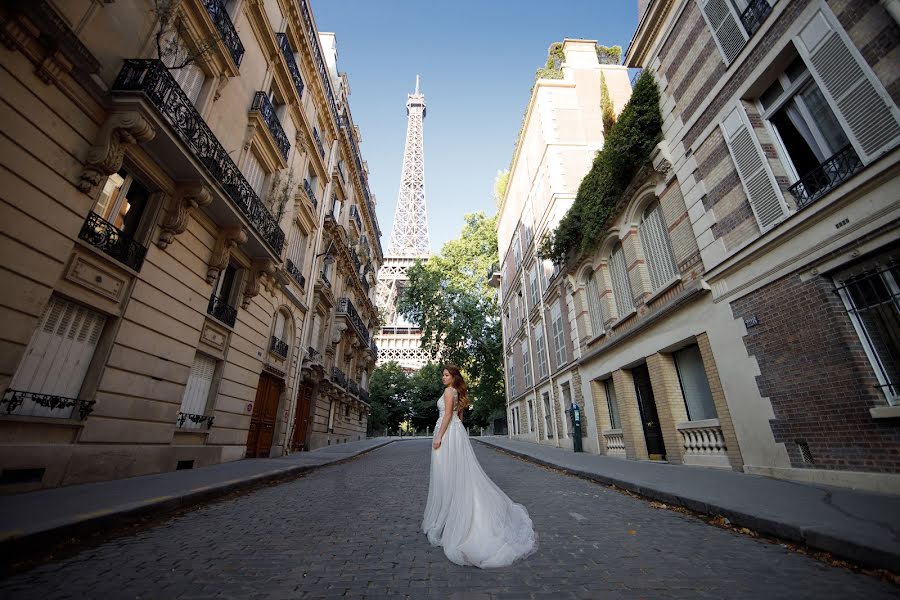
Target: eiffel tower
398,339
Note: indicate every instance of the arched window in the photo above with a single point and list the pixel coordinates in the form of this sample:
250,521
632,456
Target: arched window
620,284
654,237
593,301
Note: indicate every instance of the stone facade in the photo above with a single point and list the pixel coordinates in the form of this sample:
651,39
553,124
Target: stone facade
189,252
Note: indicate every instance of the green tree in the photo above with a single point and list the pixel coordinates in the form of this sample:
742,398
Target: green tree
449,299
606,107
388,397
425,388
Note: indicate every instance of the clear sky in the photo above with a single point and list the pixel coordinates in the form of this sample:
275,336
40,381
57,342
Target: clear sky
477,60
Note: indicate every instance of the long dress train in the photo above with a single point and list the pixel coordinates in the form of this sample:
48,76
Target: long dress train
466,513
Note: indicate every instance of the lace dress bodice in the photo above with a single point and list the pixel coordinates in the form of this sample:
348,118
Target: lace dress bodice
440,405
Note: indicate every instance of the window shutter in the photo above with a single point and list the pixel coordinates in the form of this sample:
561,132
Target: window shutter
621,287
759,183
196,392
191,79
853,92
657,247
593,292
254,172
726,27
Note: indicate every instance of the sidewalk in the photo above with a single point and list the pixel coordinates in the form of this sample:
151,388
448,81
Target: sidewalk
860,526
42,517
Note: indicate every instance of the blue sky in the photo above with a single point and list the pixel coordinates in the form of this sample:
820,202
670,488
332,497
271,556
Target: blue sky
477,60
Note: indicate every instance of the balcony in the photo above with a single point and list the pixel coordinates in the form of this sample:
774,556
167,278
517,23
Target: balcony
220,18
195,420
295,274
152,79
339,377
493,275
278,347
827,176
102,235
754,15
354,258
310,194
345,308
364,395
354,215
314,355
319,143
374,349
263,106
348,133
353,387
218,308
312,33
14,399
288,54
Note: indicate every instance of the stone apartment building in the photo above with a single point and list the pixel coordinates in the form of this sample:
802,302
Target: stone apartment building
188,252
741,310
561,132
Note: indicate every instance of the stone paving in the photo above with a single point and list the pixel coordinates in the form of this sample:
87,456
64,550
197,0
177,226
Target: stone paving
351,531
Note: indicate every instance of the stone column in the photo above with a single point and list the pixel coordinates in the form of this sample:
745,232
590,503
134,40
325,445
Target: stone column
724,415
601,412
669,403
632,429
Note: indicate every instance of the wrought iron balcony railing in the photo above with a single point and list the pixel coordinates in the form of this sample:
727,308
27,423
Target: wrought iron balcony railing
101,234
364,395
353,387
264,107
288,54
345,307
313,354
13,399
354,214
339,377
354,258
219,15
374,348
754,15
826,176
218,308
295,273
279,347
196,419
153,79
342,171
324,76
319,143
310,194
348,133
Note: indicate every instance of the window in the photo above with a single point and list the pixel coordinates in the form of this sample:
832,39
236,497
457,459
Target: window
512,376
195,399
593,302
566,401
541,350
871,294
620,284
526,363
548,417
517,251
297,247
122,203
255,174
612,404
535,294
336,205
190,79
281,334
654,236
732,22
56,360
531,415
559,342
694,384
332,407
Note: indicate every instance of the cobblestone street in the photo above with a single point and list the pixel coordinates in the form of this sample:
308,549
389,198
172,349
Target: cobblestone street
351,531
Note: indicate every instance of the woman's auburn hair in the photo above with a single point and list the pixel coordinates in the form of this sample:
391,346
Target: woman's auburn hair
459,384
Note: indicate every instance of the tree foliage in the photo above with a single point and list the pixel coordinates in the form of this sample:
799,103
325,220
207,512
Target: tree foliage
449,299
388,397
626,150
425,388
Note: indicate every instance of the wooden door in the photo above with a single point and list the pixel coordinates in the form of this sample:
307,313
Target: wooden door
656,448
265,411
301,417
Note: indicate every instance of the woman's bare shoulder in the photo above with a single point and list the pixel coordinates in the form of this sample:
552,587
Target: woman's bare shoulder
450,392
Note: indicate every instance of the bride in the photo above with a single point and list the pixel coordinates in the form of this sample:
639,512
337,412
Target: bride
466,513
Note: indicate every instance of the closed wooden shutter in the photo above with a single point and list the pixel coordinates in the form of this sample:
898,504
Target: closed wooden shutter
191,79
855,94
254,173
657,247
759,184
620,284
58,355
196,392
726,27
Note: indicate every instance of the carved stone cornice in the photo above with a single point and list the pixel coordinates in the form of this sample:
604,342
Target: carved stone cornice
259,272
105,156
185,200
228,239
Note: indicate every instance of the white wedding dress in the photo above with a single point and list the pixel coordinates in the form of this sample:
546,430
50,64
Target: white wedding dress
466,513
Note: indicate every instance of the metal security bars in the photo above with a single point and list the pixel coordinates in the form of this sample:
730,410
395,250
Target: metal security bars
102,234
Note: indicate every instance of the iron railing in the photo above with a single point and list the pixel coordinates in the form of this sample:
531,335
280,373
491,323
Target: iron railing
313,353
295,273
310,194
319,143
13,399
218,308
196,419
153,79
288,54
754,15
374,348
279,347
354,214
100,233
324,76
345,307
364,395
348,132
827,176
219,15
264,107
353,387
324,276
339,377
354,258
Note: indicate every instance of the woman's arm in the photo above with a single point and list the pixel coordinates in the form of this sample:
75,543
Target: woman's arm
448,415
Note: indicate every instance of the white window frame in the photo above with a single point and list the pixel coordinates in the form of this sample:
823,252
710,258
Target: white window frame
541,350
612,403
559,341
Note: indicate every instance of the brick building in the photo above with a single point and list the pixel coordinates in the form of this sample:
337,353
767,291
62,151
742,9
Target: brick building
742,310
189,245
